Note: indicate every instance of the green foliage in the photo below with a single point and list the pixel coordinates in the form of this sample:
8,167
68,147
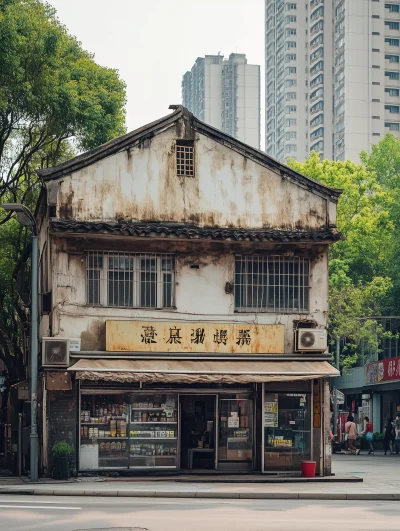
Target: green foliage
54,100
363,216
62,449
378,436
52,94
362,278
384,162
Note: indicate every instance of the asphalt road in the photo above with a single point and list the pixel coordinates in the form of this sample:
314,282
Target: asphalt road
33,513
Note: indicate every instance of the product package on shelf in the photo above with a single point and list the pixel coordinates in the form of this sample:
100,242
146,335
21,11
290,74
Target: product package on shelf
137,450
112,447
152,434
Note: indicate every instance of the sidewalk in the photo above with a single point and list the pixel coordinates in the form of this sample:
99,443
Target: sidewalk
361,477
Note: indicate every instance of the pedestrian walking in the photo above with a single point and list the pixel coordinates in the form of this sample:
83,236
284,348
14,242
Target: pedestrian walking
350,429
397,431
388,438
368,435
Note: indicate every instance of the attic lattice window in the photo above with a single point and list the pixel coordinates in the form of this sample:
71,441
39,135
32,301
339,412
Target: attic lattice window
185,159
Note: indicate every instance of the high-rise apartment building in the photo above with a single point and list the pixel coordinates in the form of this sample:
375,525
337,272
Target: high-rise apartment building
225,93
332,76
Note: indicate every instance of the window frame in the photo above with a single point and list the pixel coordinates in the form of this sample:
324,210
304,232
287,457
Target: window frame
135,282
393,8
389,90
185,166
275,262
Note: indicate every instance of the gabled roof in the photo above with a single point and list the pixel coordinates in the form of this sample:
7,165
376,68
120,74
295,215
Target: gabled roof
148,131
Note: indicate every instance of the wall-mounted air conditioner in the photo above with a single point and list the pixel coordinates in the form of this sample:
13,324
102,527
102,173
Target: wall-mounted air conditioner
55,352
311,340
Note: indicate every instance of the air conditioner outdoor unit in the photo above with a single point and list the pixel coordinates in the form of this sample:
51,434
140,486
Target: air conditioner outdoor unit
55,352
311,340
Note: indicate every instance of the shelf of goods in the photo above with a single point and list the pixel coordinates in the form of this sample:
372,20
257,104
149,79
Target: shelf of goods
153,433
142,434
104,437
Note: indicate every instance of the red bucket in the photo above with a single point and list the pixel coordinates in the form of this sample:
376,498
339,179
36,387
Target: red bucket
308,469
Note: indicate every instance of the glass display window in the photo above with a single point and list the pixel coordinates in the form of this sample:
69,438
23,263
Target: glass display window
287,430
153,431
235,443
124,430
103,431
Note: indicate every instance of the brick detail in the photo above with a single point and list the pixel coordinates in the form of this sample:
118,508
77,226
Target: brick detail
62,421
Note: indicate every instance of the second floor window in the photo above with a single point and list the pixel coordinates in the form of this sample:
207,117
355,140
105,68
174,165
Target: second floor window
130,280
272,284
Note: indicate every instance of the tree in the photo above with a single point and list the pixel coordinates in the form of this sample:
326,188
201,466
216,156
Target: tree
361,265
363,216
384,162
51,92
54,100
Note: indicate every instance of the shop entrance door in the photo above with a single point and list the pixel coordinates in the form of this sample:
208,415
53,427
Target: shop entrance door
197,432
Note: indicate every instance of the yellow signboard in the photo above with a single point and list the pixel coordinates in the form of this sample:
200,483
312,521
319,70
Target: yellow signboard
161,336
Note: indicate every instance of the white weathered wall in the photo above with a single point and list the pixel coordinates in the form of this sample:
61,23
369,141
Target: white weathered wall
228,190
200,296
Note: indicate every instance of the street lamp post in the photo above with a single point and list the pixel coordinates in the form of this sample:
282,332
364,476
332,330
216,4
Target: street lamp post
25,217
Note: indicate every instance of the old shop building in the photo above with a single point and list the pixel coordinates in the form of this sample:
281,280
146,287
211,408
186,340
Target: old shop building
184,280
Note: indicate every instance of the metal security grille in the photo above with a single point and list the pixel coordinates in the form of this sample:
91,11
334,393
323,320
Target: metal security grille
130,280
185,160
272,284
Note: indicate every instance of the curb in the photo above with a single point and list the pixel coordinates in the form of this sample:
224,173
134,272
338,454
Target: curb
281,481
209,495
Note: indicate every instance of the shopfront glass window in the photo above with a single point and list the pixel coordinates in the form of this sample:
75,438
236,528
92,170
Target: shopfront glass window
153,431
104,439
127,430
235,446
287,430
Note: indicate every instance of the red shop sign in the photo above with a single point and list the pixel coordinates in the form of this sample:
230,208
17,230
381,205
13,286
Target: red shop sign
382,371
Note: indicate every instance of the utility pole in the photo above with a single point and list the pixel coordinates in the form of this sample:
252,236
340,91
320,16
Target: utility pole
34,438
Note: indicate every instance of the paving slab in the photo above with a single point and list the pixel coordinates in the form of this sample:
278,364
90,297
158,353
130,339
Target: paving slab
356,478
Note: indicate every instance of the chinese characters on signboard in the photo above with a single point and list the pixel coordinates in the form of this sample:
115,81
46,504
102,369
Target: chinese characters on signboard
382,371
193,337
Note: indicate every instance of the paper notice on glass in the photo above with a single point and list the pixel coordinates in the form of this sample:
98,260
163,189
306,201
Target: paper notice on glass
271,414
233,422
271,407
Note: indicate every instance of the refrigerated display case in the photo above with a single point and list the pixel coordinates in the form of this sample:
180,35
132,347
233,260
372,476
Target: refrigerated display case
153,431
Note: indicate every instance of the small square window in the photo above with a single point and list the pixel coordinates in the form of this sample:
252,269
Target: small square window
185,159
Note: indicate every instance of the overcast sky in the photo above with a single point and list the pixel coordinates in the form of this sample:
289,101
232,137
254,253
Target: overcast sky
154,42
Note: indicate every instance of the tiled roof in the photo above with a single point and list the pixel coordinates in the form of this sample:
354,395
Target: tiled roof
192,232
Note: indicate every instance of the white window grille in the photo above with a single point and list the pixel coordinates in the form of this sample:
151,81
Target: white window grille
130,280
277,284
184,159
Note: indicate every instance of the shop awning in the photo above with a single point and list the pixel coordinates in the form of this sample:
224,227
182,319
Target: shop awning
198,371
